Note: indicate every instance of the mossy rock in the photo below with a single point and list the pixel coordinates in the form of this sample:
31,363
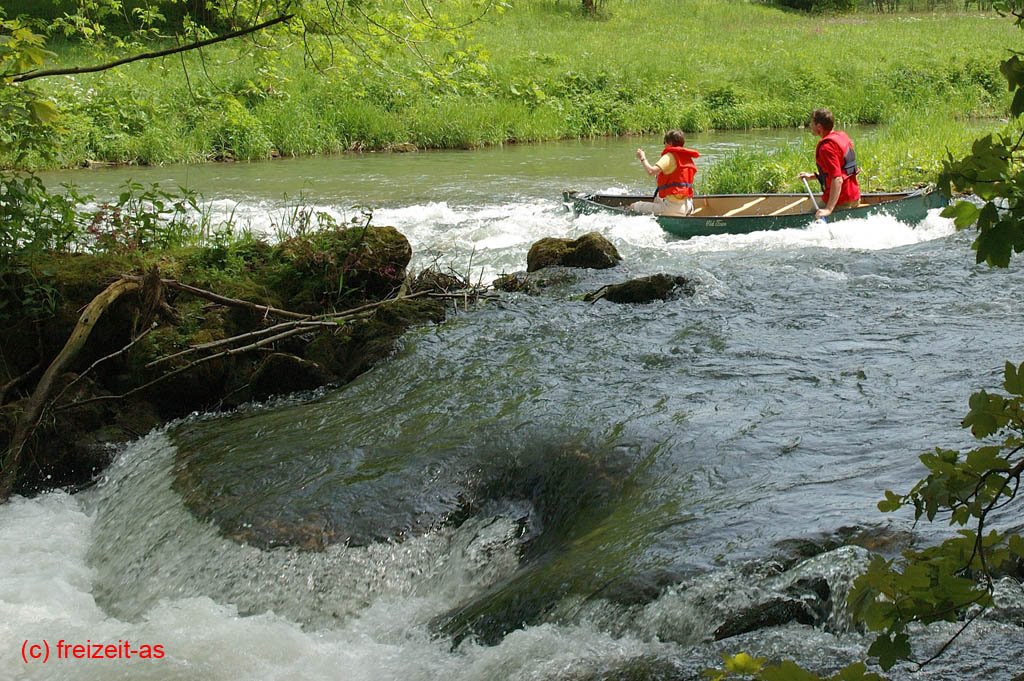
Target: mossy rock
589,251
70,451
340,268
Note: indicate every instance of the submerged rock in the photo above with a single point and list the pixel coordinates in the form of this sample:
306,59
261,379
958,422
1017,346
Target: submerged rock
639,668
771,613
590,250
884,539
535,282
567,555
644,289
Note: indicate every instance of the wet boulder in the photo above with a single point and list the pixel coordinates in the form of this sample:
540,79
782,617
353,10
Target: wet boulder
281,373
589,251
644,289
771,613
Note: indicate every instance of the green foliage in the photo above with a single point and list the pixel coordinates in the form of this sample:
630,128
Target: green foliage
547,78
33,221
143,219
994,173
26,117
230,131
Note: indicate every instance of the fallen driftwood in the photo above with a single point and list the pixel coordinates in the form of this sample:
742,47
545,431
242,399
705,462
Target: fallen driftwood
29,418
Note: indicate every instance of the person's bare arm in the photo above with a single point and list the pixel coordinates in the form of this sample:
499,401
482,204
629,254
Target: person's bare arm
648,168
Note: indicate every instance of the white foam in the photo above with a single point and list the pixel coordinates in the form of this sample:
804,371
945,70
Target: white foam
46,595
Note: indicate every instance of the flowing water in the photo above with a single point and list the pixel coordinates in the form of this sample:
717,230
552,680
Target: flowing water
573,490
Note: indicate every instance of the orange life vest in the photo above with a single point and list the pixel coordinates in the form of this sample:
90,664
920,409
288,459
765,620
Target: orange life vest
680,181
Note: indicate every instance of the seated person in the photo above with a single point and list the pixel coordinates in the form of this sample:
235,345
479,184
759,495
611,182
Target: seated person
675,170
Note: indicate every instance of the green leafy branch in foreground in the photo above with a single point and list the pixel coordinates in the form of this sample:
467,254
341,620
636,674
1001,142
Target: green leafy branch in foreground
26,117
940,583
953,581
994,173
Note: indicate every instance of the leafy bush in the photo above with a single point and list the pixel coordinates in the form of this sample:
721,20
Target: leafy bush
33,221
230,130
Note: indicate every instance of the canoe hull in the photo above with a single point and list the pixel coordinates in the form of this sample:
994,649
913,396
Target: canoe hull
908,207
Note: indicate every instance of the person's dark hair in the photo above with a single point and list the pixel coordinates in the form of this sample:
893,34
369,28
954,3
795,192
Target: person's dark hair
675,138
824,118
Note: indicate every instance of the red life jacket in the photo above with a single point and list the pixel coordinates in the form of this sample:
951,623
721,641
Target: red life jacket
680,181
842,140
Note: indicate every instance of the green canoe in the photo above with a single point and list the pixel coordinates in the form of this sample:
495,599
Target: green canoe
745,213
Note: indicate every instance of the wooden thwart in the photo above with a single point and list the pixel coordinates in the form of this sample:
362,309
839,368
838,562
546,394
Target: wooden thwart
745,206
788,206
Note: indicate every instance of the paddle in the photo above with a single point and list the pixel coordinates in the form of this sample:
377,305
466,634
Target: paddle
813,200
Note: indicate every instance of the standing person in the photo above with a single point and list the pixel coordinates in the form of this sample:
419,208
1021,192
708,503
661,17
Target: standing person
837,165
675,170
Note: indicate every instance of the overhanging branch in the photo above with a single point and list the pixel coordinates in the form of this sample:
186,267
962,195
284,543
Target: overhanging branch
152,55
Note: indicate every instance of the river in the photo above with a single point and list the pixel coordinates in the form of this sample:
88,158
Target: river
647,471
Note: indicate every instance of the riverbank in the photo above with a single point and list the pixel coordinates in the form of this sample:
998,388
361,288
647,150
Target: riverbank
543,72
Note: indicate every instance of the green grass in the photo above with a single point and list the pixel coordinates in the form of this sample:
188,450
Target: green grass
551,73
907,152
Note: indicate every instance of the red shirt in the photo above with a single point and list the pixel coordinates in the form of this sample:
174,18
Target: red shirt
830,157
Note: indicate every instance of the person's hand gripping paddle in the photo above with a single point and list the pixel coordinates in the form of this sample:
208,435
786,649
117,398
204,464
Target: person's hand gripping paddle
813,200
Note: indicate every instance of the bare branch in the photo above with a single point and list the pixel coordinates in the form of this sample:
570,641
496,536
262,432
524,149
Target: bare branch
16,381
151,55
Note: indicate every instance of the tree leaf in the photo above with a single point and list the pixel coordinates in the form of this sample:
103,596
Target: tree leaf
787,671
964,214
892,502
889,651
44,111
743,663
1013,379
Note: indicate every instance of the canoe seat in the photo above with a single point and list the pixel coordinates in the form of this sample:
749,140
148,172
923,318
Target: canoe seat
749,204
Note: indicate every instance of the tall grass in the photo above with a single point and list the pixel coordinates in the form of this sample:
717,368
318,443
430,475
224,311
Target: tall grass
644,66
